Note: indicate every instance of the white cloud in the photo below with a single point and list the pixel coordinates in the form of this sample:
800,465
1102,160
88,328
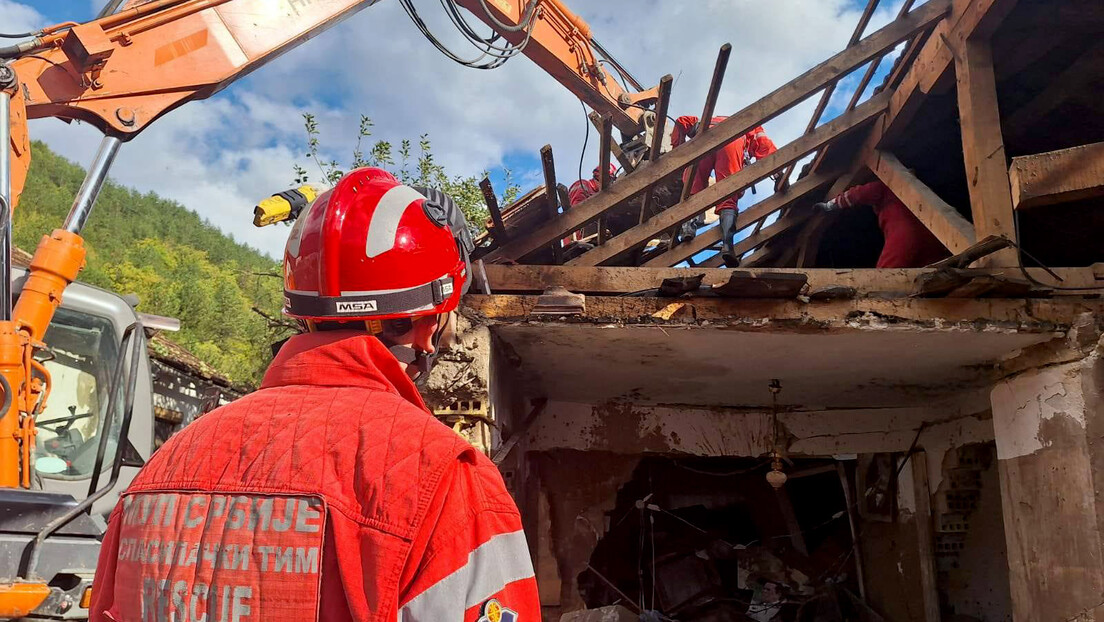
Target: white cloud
220,156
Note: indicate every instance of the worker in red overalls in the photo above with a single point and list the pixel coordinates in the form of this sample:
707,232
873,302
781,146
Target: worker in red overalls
726,161
332,493
908,243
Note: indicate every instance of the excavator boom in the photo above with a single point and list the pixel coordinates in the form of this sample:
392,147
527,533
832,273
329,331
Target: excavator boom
123,71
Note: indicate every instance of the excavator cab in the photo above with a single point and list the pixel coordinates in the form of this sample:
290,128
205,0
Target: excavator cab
93,435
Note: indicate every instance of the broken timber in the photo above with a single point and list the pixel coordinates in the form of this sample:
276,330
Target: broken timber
774,104
1058,176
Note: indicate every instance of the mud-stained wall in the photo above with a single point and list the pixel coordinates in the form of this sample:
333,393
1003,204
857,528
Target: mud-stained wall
1042,419
626,428
580,488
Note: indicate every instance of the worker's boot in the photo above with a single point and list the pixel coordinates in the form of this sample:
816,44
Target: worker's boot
728,255
728,226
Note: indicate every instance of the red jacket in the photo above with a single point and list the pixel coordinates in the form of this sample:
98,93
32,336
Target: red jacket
908,243
727,160
330,493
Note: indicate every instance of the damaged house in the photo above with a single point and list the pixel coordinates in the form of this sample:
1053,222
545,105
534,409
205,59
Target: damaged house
808,437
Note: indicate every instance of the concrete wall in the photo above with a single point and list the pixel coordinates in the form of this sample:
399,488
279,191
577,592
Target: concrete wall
1049,423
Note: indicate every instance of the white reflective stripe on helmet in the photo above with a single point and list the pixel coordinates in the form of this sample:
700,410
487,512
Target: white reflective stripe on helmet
384,227
492,566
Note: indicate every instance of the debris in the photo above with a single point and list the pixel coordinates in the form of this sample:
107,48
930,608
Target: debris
833,292
559,301
616,613
677,286
744,284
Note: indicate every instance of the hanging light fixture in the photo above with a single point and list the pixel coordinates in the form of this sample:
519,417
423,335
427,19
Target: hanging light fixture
776,477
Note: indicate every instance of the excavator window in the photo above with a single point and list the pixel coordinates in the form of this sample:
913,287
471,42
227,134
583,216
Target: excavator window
81,354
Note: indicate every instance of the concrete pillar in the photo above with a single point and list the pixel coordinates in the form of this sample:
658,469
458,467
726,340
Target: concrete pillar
1048,423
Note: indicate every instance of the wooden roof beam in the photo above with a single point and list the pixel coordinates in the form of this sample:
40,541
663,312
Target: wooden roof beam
983,149
944,221
779,101
1058,176
673,216
969,18
746,218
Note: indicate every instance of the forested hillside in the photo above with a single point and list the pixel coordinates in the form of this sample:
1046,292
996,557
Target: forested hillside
177,263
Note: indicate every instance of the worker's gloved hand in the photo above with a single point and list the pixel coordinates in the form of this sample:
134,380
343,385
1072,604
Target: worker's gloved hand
826,206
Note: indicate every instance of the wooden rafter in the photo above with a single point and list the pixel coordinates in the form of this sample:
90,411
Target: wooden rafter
944,221
983,148
639,235
746,218
1058,176
774,104
934,64
761,237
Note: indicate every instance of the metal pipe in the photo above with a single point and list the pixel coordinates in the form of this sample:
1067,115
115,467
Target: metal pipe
34,548
616,65
93,182
5,206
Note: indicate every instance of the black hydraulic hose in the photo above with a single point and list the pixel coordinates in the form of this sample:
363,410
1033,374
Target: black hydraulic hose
116,378
32,552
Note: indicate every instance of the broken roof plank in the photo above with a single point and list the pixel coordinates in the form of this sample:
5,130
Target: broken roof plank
1058,176
746,284
944,221
730,185
744,219
774,104
628,279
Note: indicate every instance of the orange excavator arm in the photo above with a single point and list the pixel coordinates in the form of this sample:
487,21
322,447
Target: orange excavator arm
124,70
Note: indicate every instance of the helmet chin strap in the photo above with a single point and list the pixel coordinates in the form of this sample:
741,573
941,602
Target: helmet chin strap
420,359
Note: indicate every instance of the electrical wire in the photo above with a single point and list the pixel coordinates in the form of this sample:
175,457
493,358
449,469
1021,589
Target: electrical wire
1020,252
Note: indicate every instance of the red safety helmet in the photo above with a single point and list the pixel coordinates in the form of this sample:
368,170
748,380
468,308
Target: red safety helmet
612,171
371,248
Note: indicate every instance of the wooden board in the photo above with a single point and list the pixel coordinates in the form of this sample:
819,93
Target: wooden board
983,148
624,280
944,221
1057,176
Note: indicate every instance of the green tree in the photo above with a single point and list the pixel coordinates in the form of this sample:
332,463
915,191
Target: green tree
426,171
177,263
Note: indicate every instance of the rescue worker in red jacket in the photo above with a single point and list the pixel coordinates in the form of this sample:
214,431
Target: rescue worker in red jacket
726,161
586,188
332,493
908,243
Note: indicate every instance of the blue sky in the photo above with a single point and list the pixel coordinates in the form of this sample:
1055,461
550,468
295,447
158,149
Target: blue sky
219,156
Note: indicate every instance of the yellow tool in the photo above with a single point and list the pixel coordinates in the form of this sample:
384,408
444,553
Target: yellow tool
283,206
